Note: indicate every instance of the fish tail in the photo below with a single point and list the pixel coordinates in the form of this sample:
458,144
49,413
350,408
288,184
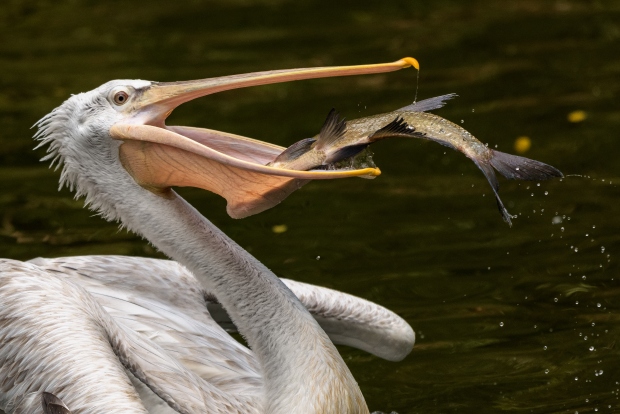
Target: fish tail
489,173
514,167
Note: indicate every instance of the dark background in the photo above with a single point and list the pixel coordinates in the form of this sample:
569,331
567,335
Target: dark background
505,317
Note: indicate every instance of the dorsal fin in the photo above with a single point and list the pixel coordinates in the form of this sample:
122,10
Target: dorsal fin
294,151
397,128
52,404
333,129
428,104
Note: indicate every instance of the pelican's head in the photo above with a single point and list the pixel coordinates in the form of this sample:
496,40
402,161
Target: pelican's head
115,136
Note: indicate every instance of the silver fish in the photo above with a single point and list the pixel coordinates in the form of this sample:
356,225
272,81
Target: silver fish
340,140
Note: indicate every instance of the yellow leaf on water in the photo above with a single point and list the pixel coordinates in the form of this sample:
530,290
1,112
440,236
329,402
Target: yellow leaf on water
523,144
576,116
279,228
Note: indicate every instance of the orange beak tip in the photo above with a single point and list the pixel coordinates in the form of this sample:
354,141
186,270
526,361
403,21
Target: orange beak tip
411,62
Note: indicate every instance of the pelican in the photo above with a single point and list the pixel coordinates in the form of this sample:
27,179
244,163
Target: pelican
116,150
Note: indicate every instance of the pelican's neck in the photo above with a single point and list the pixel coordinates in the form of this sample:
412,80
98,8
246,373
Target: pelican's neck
303,371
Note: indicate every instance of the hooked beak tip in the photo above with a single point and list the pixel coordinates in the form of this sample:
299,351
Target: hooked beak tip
411,62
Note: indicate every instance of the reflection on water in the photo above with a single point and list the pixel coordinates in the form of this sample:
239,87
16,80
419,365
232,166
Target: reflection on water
523,319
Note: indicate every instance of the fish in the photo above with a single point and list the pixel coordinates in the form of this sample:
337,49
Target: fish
340,140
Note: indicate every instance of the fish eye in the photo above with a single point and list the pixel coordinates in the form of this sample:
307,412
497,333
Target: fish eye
120,97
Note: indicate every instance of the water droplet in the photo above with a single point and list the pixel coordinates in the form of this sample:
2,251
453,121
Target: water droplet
546,371
462,121
583,277
593,323
473,110
576,250
556,220
591,348
576,302
318,258
598,305
532,194
561,229
593,227
545,347
602,249
576,378
555,300
501,324
517,168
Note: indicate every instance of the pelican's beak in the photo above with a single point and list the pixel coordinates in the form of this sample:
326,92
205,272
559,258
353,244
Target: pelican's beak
159,157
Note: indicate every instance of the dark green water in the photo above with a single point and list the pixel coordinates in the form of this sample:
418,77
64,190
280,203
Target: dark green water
523,319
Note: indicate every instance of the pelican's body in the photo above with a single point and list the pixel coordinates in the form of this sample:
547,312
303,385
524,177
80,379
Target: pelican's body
160,303
130,287
116,151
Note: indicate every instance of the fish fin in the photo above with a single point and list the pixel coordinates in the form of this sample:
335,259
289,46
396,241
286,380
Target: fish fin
397,128
428,104
294,151
333,129
520,168
488,172
346,152
52,404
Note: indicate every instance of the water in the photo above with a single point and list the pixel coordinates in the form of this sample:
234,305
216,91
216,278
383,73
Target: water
420,239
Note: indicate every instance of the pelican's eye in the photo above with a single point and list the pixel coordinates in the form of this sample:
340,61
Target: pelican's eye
120,98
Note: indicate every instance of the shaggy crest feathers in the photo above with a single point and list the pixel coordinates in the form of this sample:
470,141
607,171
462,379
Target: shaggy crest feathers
68,131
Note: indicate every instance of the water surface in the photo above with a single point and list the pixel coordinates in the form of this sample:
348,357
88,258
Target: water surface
522,319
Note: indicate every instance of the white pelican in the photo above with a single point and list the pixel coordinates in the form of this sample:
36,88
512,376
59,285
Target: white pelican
115,149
